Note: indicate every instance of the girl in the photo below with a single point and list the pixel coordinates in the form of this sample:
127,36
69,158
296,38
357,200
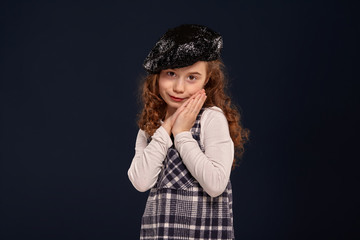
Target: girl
189,132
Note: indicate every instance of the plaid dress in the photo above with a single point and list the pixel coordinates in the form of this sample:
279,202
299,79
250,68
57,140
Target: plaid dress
179,208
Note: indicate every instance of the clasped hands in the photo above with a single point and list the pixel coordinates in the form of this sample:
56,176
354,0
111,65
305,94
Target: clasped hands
184,117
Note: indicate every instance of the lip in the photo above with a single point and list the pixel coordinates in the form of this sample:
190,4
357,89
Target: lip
176,99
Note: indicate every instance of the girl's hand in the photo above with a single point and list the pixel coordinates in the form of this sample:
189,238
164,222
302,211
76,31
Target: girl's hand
170,120
185,119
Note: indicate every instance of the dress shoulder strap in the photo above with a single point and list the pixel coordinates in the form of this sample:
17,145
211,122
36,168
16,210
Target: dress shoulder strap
195,130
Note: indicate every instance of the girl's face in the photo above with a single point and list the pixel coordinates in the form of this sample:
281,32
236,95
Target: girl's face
177,85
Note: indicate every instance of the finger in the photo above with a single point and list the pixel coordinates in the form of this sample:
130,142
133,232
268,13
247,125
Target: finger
183,105
187,105
183,108
201,90
190,105
199,104
197,99
189,99
178,111
197,93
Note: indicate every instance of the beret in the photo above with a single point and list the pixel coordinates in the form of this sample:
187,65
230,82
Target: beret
183,46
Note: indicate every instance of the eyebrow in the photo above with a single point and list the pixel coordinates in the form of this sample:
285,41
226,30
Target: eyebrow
174,70
194,73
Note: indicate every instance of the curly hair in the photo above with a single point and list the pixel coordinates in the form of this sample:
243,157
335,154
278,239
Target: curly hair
154,107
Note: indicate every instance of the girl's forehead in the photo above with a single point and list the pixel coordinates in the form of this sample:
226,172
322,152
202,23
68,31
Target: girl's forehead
199,67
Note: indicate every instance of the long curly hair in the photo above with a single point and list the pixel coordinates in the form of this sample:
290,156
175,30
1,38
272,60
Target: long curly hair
154,107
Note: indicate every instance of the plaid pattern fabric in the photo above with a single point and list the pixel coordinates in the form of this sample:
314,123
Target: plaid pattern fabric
179,208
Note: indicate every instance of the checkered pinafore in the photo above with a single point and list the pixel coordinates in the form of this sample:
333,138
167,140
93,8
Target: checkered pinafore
179,208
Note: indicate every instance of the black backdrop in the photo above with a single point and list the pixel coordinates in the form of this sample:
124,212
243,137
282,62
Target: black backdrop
69,78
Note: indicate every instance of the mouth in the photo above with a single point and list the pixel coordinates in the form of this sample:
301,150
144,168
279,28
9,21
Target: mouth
176,99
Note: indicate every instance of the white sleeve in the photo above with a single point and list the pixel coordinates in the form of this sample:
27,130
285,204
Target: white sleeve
212,169
148,160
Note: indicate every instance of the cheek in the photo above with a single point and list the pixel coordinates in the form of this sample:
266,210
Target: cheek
195,88
162,85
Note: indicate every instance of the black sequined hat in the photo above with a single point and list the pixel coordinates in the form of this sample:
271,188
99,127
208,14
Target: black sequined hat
183,46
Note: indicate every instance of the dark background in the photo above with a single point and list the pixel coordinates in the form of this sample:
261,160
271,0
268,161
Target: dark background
69,78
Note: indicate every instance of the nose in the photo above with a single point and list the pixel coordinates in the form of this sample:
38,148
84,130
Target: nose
179,86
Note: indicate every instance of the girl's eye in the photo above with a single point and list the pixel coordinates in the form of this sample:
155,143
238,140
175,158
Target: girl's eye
192,78
171,74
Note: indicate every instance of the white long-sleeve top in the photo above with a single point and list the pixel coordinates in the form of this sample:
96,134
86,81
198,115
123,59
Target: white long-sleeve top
211,169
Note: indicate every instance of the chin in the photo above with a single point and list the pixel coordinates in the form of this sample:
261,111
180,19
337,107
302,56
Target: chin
174,105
